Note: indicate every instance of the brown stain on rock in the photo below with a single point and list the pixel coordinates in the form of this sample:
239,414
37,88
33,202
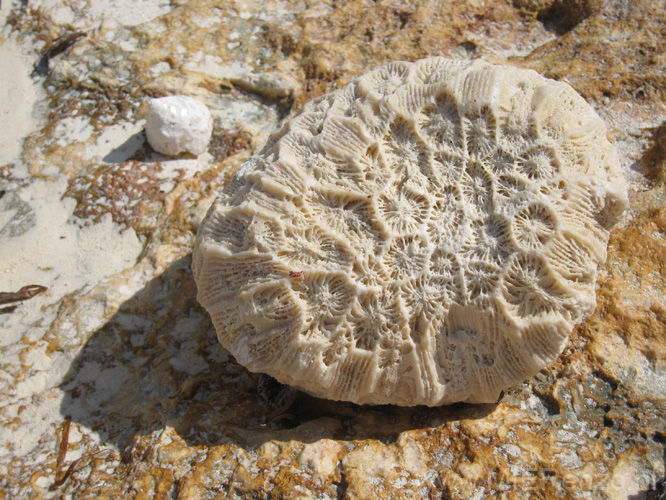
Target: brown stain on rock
637,258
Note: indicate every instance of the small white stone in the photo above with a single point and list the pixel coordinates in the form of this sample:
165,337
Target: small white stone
178,124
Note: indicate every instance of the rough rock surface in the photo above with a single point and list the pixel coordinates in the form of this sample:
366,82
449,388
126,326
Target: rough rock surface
113,384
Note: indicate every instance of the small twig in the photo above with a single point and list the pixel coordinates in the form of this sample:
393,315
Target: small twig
73,467
25,293
281,412
76,465
58,46
62,451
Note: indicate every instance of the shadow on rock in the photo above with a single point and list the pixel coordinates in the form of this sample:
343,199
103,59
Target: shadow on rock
133,148
136,147
158,363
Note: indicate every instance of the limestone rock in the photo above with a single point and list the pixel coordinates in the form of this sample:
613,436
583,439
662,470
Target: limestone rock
159,409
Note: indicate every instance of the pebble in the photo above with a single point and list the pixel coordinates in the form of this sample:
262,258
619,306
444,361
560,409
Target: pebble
178,124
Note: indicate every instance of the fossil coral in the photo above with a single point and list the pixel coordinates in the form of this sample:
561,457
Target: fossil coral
429,233
178,124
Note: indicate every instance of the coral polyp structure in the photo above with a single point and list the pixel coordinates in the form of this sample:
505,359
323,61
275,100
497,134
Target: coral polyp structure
429,233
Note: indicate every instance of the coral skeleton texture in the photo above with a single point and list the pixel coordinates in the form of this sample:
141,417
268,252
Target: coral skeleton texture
427,234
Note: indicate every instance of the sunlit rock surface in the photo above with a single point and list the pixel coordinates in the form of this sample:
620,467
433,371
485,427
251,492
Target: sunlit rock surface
118,344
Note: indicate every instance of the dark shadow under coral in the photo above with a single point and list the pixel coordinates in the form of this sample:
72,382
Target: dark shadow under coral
157,362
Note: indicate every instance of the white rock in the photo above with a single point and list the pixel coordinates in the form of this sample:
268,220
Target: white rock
178,124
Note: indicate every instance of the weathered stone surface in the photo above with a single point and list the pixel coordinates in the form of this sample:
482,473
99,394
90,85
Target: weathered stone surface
119,344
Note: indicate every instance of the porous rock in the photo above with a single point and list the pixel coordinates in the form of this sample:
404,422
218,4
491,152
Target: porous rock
429,233
178,124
